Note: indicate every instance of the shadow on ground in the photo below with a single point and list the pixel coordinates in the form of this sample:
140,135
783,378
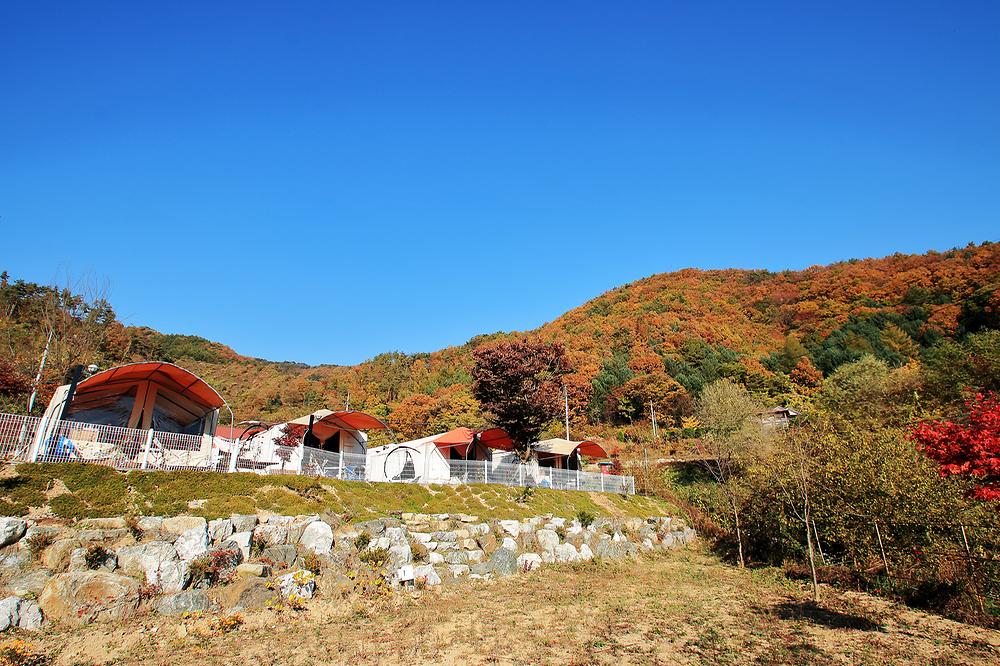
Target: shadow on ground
826,617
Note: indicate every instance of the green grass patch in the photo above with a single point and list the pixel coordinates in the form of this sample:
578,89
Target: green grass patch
96,491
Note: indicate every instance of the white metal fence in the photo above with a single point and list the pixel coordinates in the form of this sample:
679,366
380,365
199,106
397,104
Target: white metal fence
33,439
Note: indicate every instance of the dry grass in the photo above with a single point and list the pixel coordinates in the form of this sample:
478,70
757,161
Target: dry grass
685,608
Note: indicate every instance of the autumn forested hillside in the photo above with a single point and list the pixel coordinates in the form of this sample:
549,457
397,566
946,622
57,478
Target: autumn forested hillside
656,340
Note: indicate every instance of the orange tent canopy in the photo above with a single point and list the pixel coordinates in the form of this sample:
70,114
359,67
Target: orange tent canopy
326,422
168,375
462,439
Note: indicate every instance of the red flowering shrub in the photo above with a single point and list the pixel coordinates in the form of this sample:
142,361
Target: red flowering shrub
967,449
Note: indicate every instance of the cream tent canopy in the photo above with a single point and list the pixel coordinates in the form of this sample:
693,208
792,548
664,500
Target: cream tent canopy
565,447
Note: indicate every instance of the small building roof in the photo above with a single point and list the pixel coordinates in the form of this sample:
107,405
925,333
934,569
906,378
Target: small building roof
326,422
566,447
165,374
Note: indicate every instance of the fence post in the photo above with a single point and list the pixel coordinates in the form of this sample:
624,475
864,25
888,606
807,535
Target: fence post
885,561
633,485
602,482
552,481
486,471
520,474
577,479
340,466
145,451
36,441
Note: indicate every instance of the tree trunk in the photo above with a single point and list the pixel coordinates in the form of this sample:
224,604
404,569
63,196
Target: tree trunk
812,557
739,535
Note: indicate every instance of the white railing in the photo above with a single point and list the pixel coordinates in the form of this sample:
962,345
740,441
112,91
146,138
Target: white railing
34,439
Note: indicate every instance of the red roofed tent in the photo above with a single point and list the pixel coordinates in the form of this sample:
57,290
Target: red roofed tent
157,395
461,440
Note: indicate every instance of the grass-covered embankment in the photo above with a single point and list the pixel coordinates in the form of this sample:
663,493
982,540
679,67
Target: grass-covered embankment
73,490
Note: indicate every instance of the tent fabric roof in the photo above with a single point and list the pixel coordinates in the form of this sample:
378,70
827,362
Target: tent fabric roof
565,447
171,376
326,422
462,439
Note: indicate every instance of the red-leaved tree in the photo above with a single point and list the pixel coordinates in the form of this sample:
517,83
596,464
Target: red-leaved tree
968,449
520,383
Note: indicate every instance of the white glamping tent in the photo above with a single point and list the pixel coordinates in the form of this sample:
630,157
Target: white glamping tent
441,458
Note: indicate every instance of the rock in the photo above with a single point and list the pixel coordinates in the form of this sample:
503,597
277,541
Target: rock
253,570
245,594
243,522
271,535
318,538
298,526
435,558
488,542
192,543
399,555
15,559
178,525
157,563
615,550
557,522
372,528
240,541
421,537
566,552
56,557
511,527
548,540
30,583
301,583
457,570
444,537
151,525
528,562
10,612
82,597
586,553
101,535
427,574
503,562
509,544
190,601
78,561
31,616
220,530
11,530
279,520
283,554
529,540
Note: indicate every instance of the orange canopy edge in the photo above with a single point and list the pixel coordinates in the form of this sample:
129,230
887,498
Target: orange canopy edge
165,374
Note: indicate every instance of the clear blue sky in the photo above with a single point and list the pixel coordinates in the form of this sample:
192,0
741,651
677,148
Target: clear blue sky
324,181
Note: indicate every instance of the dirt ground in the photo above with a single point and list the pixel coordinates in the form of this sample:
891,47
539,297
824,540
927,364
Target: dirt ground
684,608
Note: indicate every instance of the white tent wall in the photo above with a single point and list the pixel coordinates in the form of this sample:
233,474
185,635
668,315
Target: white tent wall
387,463
263,447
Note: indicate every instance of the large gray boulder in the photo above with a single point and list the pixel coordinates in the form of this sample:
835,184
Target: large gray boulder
21,613
178,525
157,563
81,597
28,584
239,541
220,530
528,561
271,534
11,530
105,562
189,601
503,562
427,574
317,537
566,552
284,554
243,522
192,543
548,540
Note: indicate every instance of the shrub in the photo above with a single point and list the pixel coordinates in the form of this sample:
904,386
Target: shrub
561,533
96,556
525,495
214,568
37,543
19,653
376,557
362,541
585,518
311,562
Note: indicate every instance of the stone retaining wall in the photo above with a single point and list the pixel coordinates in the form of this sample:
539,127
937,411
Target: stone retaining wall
104,569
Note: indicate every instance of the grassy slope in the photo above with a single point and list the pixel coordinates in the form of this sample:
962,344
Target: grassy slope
79,490
684,608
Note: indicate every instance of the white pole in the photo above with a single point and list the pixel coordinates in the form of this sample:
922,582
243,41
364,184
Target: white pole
145,452
41,368
577,479
520,475
340,471
566,402
486,471
602,482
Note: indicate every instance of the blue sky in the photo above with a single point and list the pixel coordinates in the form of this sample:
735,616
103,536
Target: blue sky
325,181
